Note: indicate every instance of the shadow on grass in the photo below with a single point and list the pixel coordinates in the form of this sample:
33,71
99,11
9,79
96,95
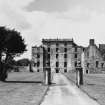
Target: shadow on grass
90,84
54,84
23,81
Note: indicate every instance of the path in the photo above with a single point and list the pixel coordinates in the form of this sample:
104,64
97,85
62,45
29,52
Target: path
65,93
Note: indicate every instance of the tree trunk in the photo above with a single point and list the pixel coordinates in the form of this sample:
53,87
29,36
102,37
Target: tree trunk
3,69
3,74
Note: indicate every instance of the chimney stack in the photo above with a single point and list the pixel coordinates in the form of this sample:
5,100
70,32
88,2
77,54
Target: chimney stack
91,42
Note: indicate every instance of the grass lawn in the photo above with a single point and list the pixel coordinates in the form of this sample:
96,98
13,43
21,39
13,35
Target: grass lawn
94,86
22,88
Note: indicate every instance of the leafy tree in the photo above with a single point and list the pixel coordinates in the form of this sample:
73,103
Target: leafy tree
11,44
23,62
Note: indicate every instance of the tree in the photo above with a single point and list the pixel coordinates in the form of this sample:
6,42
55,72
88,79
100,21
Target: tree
23,62
11,44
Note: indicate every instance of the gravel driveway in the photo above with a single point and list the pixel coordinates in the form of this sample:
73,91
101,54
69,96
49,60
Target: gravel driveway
62,92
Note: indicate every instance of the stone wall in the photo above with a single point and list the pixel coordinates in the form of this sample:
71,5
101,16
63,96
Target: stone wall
67,53
63,55
37,58
94,62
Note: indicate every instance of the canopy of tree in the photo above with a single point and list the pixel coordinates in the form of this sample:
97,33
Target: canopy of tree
11,44
23,62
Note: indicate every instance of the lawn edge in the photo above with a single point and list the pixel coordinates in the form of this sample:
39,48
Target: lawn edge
73,82
43,96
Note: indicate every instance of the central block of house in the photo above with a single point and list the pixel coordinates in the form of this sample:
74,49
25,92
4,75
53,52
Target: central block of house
62,55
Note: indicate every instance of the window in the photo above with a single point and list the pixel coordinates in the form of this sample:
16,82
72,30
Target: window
65,44
65,55
75,49
48,56
75,64
37,70
87,71
48,49
97,63
75,56
102,64
65,64
48,63
38,56
57,64
38,64
65,49
56,49
57,44
88,65
57,55
34,64
88,54
65,70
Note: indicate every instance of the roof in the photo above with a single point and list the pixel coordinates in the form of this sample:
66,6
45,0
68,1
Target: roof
57,40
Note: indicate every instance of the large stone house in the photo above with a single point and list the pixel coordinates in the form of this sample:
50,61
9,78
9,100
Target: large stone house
63,55
94,58
37,58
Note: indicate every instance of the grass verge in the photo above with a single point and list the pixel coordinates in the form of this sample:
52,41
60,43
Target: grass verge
94,86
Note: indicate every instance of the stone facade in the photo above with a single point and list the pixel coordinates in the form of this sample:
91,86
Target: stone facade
63,54
93,58
37,58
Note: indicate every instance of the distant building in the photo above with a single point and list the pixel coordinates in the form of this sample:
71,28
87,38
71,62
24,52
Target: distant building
102,50
37,58
94,58
63,55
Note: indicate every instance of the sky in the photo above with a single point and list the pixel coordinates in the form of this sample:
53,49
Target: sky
37,19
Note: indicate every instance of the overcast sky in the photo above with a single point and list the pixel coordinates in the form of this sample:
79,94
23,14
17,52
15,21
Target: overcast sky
37,19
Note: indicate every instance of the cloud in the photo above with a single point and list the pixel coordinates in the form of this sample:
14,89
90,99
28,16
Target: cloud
74,10
65,5
76,14
48,5
37,19
12,16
